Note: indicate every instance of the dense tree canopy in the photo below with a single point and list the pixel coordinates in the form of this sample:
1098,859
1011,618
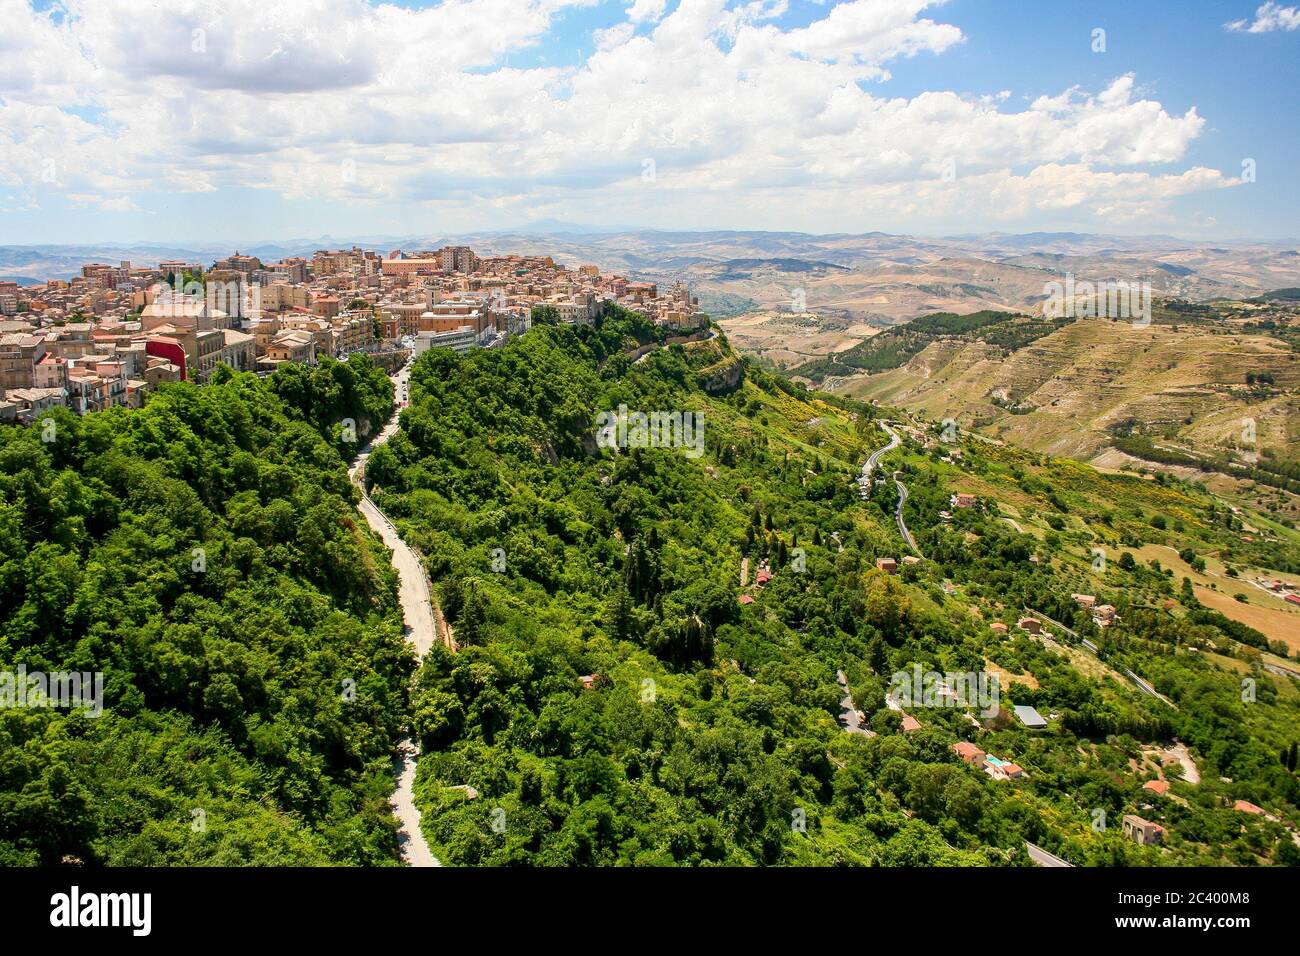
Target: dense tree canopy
204,554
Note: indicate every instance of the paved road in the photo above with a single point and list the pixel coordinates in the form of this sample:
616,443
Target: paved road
1138,682
898,516
1043,858
421,632
869,466
864,483
1280,670
849,715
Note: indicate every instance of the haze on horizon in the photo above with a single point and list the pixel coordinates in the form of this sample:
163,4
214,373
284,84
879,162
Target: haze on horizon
237,120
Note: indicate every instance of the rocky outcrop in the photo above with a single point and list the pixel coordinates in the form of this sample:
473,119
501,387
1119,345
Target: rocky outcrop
722,377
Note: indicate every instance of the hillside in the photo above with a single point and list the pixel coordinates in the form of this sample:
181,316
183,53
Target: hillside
203,554
614,701
1201,391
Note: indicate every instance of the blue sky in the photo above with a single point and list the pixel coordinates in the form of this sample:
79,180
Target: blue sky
243,120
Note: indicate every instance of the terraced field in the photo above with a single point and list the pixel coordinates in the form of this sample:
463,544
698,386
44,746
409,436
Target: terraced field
1064,394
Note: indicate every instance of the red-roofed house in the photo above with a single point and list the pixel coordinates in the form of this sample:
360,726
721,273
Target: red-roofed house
910,724
746,599
1245,806
968,752
1156,786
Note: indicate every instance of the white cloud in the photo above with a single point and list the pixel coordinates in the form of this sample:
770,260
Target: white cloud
1269,17
342,101
646,10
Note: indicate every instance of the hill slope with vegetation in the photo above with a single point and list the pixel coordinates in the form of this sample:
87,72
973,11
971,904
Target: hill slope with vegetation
1202,388
204,554
615,701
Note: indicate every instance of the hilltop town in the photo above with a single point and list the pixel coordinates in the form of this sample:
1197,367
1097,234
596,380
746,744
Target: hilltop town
113,334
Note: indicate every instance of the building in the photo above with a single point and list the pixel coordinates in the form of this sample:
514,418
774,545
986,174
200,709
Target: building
457,259
31,402
998,627
1000,769
459,340
290,345
237,263
1030,717
1104,615
963,500
1142,831
353,332
1245,806
888,565
20,353
410,267
1158,787
968,752
1030,624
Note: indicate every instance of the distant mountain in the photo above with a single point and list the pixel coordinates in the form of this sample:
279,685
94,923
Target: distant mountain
875,263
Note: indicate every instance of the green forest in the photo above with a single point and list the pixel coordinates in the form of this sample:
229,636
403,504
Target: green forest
613,702
649,641
204,554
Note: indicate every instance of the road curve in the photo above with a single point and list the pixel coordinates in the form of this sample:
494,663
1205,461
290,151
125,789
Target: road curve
898,516
420,629
869,466
1043,858
864,483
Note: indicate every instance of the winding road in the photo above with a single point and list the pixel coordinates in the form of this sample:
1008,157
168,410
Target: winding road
898,516
421,629
869,466
864,484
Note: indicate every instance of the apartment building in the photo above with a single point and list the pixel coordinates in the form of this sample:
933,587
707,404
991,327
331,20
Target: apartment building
353,332
237,263
457,259
411,267
459,340
290,345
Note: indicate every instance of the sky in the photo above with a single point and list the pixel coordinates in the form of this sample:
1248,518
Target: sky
184,120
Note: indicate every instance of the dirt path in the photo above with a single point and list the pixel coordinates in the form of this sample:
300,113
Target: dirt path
421,629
